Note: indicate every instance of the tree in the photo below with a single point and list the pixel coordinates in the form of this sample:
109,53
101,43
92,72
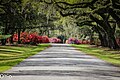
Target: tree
94,7
101,16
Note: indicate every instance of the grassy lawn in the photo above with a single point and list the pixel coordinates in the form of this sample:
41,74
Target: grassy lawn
110,56
12,55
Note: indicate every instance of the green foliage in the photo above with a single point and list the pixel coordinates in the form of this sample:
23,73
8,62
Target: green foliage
85,31
74,1
47,16
4,36
69,27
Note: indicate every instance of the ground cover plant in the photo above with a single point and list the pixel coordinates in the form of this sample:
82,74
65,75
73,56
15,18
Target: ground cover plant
12,55
54,40
106,54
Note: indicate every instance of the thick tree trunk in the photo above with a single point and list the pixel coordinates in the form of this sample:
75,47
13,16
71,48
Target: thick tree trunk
112,41
103,40
108,30
11,39
111,38
102,36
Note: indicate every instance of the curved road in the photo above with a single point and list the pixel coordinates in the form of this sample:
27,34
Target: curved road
62,62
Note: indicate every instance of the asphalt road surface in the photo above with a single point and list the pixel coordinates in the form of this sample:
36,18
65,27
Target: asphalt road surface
62,62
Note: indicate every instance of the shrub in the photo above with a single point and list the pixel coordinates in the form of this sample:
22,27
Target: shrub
76,41
15,37
73,41
62,38
54,40
45,39
30,38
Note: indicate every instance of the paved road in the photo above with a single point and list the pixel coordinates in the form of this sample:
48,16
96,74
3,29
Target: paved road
62,62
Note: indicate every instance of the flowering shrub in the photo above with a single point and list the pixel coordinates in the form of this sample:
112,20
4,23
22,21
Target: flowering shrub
76,41
45,39
72,41
39,39
15,37
54,40
30,38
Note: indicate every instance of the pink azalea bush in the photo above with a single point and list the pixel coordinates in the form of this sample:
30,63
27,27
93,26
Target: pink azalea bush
76,41
73,41
54,40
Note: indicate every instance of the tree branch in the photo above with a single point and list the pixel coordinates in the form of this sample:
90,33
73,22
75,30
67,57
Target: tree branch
75,5
68,14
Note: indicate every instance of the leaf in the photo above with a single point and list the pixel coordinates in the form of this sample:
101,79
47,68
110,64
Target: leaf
4,36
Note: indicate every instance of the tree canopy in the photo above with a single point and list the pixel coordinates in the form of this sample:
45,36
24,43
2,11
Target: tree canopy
101,16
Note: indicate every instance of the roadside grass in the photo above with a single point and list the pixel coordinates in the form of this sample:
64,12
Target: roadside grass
13,55
110,56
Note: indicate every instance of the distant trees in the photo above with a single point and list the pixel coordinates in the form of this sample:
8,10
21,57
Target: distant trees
8,16
19,15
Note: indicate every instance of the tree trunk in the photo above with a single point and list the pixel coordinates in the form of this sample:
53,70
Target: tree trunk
19,36
105,41
102,35
11,39
5,33
111,38
92,39
112,41
108,30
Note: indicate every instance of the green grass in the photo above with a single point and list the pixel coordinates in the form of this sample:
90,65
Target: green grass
12,55
110,56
